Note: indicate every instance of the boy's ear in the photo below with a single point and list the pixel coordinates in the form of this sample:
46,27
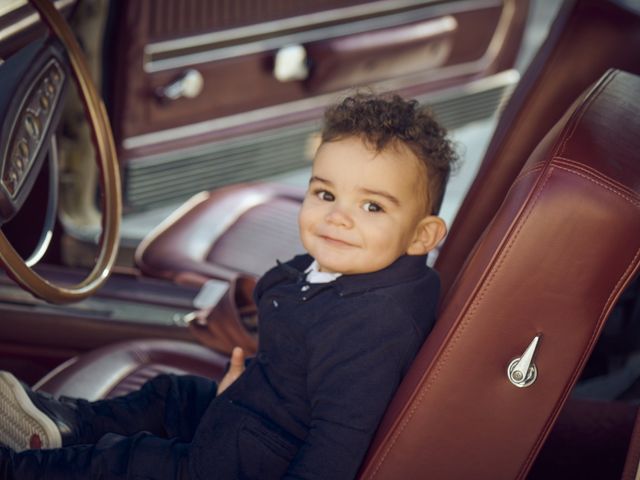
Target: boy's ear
429,232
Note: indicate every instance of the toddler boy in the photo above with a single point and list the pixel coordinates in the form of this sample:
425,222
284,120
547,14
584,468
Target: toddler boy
339,326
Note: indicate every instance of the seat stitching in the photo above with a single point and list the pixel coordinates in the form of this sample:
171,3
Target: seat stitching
604,182
590,98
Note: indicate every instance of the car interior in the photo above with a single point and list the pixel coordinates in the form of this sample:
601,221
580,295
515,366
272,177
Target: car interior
536,265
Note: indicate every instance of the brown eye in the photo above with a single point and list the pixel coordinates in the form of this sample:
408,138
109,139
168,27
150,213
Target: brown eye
324,195
372,207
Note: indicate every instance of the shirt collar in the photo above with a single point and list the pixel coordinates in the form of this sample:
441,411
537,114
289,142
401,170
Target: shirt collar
314,275
405,268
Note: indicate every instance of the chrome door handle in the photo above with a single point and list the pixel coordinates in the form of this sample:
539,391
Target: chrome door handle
291,63
188,85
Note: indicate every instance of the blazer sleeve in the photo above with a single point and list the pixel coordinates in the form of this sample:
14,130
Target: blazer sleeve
356,359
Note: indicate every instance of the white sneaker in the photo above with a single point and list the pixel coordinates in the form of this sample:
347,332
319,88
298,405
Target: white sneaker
23,426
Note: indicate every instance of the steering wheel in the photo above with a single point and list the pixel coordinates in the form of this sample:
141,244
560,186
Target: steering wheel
108,169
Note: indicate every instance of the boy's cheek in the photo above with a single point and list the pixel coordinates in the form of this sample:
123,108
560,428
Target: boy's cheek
310,211
306,212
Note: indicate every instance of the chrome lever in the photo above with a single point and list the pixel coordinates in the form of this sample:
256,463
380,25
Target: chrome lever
522,372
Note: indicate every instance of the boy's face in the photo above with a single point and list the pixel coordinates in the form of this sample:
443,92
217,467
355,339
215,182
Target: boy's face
365,209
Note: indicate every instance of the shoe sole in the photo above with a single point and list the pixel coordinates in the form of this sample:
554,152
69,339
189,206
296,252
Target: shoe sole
22,425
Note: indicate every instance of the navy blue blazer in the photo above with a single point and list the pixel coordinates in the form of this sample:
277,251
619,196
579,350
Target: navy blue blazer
330,357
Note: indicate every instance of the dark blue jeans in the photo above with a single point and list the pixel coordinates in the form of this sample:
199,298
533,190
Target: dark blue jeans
143,435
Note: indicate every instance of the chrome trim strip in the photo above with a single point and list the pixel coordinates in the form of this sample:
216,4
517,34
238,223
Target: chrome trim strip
28,20
502,28
290,23
214,53
11,5
506,78
186,131
273,43
195,150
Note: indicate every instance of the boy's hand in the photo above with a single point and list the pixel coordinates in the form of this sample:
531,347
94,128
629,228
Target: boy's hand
236,367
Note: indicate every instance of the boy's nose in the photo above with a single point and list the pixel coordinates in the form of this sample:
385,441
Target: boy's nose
339,217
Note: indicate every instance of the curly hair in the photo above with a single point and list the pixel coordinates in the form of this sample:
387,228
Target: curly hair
383,121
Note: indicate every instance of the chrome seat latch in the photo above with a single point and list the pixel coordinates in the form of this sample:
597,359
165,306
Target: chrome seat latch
522,372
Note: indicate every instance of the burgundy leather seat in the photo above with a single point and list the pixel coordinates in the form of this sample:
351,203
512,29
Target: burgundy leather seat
552,262
238,229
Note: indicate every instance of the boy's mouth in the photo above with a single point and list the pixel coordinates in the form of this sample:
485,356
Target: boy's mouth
336,241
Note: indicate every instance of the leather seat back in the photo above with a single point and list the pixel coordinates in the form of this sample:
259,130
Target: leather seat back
553,261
